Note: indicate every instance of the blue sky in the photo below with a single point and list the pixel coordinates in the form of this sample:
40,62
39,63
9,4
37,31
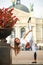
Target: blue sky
38,5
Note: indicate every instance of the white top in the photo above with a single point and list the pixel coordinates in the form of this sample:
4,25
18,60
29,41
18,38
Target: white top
29,38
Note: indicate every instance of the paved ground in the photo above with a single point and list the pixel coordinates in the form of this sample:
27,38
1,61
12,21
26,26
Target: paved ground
26,57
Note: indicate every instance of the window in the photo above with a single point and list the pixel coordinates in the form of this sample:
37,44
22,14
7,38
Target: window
22,31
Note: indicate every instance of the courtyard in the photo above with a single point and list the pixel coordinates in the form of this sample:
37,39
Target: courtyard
26,57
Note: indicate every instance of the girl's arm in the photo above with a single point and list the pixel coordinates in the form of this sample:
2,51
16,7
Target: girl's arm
26,34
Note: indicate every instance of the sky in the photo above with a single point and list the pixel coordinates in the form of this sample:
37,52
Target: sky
38,6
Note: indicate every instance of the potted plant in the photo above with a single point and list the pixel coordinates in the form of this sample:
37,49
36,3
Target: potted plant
7,21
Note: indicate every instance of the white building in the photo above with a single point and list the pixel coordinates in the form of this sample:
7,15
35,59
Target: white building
21,27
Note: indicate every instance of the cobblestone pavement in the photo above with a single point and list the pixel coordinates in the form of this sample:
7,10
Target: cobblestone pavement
26,57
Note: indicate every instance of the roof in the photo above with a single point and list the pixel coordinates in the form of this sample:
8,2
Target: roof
21,7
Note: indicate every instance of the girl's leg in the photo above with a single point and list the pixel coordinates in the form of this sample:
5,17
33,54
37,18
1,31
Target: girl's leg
35,58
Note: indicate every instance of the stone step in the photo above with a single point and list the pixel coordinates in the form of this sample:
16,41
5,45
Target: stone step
26,57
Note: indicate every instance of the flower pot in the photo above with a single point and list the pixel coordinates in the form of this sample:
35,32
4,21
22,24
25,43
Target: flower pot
4,32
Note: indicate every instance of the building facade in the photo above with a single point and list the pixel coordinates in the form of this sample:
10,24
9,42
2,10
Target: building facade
21,27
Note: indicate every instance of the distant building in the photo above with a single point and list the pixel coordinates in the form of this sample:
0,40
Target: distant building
21,27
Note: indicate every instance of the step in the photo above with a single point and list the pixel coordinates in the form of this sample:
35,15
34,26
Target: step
26,57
